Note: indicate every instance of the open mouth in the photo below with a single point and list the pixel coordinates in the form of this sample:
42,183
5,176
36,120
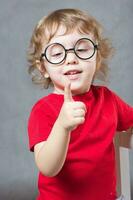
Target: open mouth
73,72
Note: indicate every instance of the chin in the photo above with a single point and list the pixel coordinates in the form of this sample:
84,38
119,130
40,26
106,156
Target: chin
81,90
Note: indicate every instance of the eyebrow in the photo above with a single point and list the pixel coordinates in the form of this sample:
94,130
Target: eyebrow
72,42
64,43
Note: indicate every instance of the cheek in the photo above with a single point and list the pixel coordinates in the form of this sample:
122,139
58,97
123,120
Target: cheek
55,74
52,70
91,66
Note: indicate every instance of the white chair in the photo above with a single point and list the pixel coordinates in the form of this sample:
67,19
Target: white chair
123,144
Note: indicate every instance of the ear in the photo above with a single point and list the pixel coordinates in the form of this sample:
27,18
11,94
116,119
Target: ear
42,69
39,66
46,75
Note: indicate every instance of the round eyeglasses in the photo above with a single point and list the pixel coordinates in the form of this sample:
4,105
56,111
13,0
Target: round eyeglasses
56,53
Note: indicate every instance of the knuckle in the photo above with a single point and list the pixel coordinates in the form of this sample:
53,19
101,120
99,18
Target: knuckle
83,105
82,120
83,112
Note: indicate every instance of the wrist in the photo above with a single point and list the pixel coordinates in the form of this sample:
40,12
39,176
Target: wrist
61,127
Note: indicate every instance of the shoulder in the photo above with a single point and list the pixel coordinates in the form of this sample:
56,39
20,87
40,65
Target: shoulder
49,105
108,94
41,105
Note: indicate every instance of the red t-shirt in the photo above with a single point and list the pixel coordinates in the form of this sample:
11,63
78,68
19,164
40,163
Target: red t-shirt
89,169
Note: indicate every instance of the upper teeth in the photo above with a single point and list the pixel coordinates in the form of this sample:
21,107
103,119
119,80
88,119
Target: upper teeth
72,72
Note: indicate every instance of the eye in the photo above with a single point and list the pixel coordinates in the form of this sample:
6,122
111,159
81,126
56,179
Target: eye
82,50
57,54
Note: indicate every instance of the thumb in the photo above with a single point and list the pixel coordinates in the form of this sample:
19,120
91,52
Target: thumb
67,92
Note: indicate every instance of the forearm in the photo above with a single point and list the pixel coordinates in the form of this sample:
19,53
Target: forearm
52,154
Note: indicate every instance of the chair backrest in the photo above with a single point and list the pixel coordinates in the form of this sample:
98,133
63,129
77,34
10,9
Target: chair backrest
123,144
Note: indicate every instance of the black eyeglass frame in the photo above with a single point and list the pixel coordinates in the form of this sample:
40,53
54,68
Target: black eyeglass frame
68,50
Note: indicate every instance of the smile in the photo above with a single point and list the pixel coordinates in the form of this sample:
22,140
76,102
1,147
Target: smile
73,75
72,72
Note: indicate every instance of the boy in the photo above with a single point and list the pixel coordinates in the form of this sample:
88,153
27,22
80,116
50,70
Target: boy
71,130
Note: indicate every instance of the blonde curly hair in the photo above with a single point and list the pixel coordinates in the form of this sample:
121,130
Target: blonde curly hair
72,19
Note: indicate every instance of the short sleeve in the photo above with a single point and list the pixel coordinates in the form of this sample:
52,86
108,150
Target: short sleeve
40,123
124,113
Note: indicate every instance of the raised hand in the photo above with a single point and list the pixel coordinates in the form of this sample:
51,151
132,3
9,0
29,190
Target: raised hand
72,112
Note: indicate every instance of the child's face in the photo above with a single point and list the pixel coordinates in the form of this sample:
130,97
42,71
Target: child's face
80,82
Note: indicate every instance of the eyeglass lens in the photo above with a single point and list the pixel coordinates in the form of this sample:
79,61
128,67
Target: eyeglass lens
55,53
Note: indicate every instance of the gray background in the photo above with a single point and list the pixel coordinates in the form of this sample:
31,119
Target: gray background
18,173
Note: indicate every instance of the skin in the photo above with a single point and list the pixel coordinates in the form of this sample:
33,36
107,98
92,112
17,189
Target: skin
80,83
50,155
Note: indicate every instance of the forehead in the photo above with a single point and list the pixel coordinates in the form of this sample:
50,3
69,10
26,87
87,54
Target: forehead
69,38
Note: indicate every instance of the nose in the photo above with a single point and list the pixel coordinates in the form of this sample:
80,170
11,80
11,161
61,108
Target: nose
71,58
